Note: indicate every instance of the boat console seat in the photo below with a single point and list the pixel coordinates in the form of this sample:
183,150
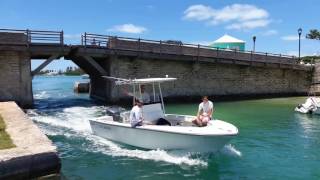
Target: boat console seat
152,113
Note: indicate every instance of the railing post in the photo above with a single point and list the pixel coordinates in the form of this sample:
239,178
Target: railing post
217,48
28,37
85,39
61,38
81,40
139,40
198,53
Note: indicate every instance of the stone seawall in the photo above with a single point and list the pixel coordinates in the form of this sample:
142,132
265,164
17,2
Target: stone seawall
34,155
213,79
315,86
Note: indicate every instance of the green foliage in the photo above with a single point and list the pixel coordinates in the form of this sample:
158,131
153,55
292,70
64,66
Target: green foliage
313,34
73,71
70,71
310,59
5,140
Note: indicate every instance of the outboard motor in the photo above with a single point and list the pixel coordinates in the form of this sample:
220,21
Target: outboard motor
115,111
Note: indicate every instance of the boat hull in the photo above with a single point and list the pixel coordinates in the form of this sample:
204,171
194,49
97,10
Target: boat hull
151,139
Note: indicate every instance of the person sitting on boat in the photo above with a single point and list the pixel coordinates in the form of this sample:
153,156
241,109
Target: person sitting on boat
205,112
136,117
145,97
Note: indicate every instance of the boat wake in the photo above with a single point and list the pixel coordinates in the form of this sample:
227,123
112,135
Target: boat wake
73,122
41,95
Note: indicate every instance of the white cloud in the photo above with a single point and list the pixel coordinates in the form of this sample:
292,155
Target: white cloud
249,24
199,12
237,16
128,28
269,32
291,38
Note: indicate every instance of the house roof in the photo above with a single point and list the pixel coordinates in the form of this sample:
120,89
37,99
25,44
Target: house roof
228,39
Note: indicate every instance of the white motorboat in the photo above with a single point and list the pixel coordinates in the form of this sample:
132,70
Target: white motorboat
311,106
181,135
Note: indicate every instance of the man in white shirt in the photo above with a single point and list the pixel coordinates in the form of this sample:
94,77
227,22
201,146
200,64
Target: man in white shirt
204,113
136,117
145,97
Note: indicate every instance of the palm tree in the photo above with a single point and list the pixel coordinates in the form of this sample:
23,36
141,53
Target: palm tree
313,34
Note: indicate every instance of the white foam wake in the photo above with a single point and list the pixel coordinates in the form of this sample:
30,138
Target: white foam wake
231,150
41,95
108,147
75,118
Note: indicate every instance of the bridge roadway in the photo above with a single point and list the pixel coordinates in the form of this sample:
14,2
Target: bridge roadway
97,53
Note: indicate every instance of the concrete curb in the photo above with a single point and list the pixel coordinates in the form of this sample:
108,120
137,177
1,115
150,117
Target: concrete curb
34,154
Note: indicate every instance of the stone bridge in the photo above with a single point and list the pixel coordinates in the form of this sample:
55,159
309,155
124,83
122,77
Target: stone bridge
201,70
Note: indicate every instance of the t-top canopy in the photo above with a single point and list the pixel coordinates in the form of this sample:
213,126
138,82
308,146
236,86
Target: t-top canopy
121,81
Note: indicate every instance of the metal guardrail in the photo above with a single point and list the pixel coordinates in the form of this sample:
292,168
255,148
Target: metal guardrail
43,37
88,39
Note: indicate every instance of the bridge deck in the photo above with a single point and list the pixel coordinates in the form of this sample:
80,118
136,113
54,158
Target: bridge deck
43,44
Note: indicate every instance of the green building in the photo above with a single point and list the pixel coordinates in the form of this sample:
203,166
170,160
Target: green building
229,42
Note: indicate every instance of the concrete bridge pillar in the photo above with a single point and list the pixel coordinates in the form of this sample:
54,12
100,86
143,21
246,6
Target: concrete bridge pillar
15,77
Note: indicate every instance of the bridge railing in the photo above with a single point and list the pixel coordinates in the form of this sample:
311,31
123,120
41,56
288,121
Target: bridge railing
179,48
37,37
88,39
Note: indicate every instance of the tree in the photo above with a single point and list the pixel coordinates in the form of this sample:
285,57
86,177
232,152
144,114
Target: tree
313,34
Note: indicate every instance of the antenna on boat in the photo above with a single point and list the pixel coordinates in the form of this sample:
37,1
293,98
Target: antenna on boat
118,81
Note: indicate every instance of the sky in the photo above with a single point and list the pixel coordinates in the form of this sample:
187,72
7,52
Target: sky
273,22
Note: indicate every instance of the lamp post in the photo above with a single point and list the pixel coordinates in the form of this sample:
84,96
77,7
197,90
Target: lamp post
299,32
254,43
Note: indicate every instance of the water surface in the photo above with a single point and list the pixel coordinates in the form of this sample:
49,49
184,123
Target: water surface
274,142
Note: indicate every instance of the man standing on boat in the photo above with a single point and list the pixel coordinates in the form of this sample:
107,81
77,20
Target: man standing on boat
204,113
145,97
136,117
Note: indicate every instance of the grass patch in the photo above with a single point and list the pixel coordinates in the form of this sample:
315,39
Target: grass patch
5,140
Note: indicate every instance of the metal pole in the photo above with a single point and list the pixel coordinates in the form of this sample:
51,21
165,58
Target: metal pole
134,95
154,93
254,43
140,92
299,45
299,32
162,104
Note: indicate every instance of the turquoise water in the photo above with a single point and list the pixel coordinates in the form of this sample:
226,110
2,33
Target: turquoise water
274,142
